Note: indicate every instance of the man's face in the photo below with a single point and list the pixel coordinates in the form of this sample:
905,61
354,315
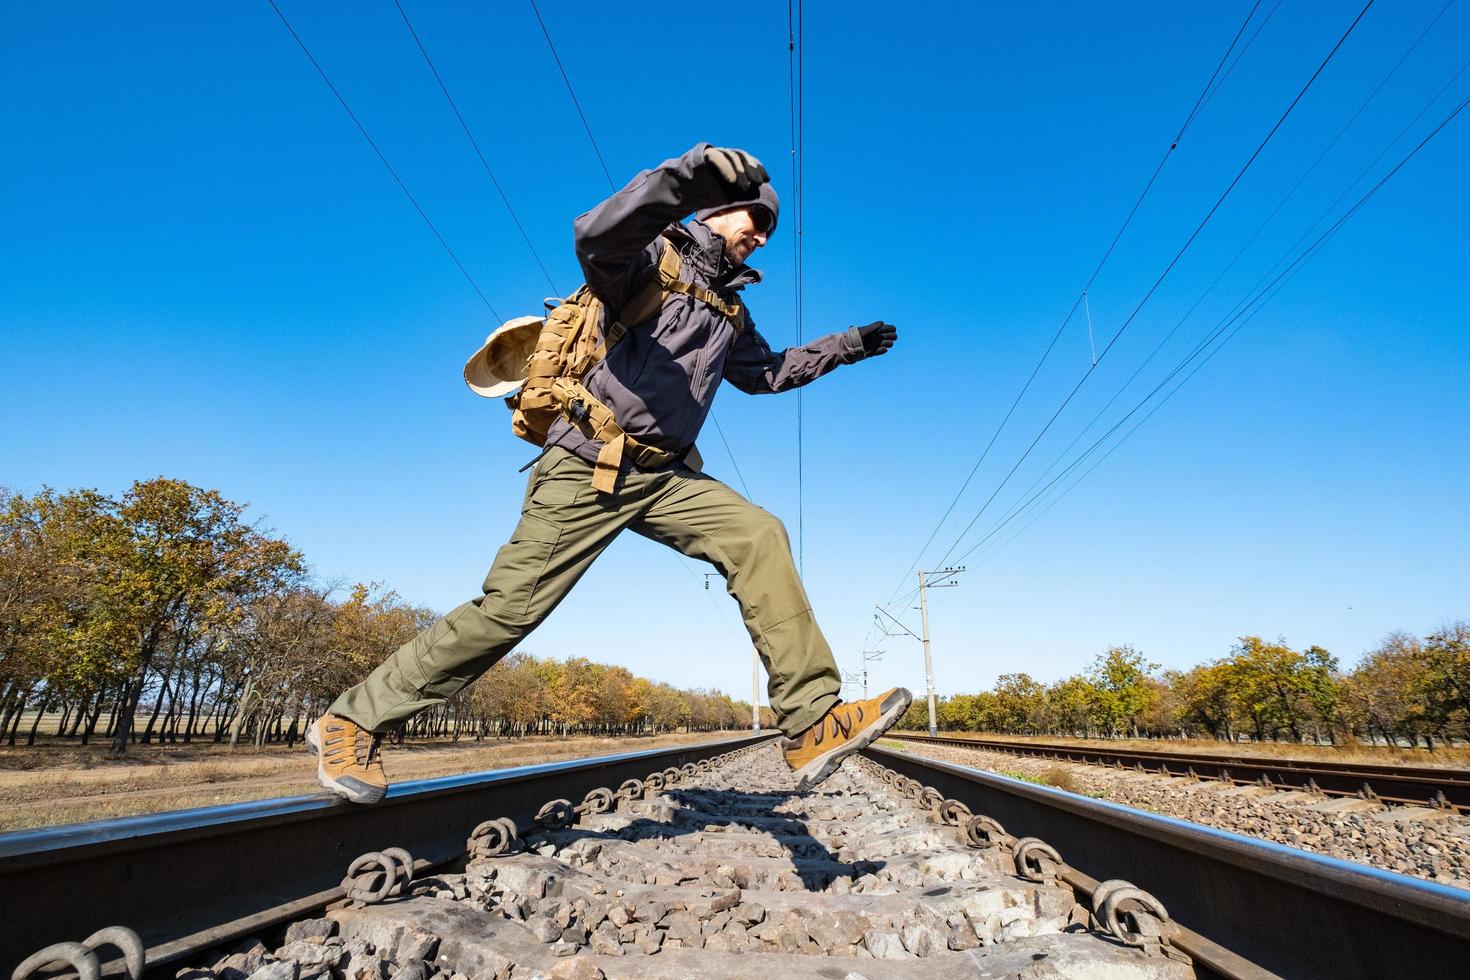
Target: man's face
743,229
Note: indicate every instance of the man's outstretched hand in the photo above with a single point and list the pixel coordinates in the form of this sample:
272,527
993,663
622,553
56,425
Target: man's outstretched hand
877,338
739,169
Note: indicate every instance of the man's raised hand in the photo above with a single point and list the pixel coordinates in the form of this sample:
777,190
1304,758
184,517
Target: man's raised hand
739,169
877,338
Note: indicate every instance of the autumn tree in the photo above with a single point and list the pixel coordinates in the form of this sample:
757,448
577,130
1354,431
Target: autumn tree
1019,702
63,632
1120,678
179,559
1277,688
1447,669
1072,705
1205,699
41,598
281,657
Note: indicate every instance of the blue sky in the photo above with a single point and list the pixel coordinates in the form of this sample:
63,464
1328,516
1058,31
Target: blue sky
207,274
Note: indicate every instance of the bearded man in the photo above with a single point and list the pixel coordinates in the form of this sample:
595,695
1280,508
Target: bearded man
659,381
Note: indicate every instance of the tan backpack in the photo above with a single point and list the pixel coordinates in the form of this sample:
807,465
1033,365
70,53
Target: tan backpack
571,342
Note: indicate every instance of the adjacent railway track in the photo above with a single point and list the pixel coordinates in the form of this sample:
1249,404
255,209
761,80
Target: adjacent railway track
702,861
1404,785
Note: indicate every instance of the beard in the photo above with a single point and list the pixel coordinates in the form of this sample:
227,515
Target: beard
739,247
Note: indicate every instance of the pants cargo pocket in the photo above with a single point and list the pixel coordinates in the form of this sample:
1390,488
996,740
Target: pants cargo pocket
520,565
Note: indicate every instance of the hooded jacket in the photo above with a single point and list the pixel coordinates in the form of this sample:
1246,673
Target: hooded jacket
660,379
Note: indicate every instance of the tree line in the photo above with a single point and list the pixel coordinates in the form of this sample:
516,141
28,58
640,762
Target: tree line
164,614
1407,690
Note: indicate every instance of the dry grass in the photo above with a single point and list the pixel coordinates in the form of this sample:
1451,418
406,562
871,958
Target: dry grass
93,785
1058,776
1457,757
1062,778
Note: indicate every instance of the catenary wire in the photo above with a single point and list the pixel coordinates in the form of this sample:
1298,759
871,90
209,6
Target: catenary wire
1045,354
704,587
384,160
1114,447
613,186
476,145
1244,300
1242,316
1239,55
795,56
1030,502
572,92
1263,225
740,476
1162,276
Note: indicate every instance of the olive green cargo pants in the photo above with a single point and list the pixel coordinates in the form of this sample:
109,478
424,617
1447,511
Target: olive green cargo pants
564,526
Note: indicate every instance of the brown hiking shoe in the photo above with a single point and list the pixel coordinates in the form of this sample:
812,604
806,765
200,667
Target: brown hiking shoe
847,726
347,760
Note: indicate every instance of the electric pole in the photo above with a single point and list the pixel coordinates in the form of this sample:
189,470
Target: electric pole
924,585
938,581
867,656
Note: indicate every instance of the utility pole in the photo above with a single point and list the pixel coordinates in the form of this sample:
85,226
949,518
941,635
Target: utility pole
938,581
867,656
924,585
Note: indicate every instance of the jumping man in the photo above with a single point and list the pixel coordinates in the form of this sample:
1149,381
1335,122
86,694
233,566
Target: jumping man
659,381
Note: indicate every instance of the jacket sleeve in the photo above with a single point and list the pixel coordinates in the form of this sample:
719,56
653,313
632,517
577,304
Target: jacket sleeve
612,239
755,369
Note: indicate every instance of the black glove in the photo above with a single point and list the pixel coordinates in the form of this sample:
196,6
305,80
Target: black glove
877,338
738,169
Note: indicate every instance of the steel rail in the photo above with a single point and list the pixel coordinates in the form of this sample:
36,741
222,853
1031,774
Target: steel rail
196,878
1408,785
1284,910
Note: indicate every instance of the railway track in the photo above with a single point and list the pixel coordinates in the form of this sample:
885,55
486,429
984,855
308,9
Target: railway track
703,861
1403,785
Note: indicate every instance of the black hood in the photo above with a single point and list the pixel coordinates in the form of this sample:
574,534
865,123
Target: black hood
699,245
764,198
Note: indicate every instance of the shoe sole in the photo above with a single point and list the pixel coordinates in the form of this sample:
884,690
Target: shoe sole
816,771
352,790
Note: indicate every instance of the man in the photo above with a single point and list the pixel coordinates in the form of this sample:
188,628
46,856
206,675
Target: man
659,382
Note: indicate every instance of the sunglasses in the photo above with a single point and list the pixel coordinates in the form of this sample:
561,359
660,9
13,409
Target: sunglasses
764,221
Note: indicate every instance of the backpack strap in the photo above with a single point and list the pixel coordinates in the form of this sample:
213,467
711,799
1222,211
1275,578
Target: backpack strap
670,280
646,302
705,296
594,418
648,299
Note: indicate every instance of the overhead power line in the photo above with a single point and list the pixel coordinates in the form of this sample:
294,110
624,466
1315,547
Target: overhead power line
1239,54
1208,89
572,92
476,145
1232,323
1261,292
1267,221
795,56
613,186
755,693
729,452
907,594
1281,120
384,160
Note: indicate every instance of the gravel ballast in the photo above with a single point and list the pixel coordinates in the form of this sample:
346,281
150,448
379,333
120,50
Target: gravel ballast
1416,841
